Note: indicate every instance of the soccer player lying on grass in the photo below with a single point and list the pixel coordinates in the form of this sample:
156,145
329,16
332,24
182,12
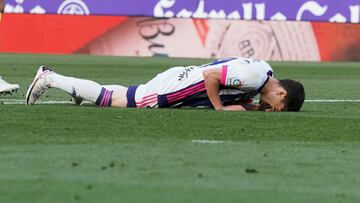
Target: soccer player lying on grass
228,84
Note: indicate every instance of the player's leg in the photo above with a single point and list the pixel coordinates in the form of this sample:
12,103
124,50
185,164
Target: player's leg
7,88
78,88
119,98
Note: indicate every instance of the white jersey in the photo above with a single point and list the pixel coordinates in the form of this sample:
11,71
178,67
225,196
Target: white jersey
241,80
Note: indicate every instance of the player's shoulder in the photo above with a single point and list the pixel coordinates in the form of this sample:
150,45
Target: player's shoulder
239,63
242,60
251,66
251,61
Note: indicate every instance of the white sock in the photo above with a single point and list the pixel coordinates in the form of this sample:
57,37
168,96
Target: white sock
86,89
115,88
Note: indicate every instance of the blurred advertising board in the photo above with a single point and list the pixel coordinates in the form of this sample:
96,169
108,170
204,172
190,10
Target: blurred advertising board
176,37
344,11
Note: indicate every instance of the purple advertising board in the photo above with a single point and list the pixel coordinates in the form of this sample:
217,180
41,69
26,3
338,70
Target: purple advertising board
344,11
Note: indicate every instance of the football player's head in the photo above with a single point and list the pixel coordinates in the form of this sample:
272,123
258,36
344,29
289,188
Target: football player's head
295,96
286,95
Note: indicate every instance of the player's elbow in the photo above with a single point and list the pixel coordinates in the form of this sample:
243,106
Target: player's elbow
208,75
212,75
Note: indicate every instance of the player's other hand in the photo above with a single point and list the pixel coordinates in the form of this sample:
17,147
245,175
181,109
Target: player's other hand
233,108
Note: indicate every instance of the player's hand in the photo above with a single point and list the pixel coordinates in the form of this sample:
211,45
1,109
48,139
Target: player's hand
233,108
265,107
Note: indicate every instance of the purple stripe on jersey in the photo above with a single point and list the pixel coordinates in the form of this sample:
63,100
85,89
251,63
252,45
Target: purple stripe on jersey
179,97
186,91
104,98
188,87
130,95
164,103
171,99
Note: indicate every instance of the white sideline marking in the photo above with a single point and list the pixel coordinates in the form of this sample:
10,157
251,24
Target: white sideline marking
331,100
21,101
208,141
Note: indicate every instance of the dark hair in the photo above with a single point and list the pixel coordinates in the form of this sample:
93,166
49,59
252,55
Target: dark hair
295,94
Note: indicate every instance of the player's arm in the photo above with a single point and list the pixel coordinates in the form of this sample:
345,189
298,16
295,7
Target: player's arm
212,83
256,107
250,106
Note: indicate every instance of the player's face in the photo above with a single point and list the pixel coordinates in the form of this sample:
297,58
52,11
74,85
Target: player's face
278,105
272,107
273,101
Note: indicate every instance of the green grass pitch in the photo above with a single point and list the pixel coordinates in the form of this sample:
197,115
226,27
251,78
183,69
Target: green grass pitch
66,153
